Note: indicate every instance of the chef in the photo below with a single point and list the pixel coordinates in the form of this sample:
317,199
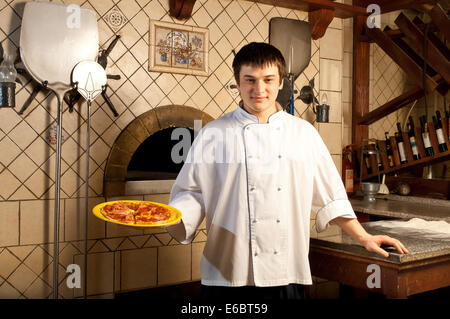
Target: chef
255,174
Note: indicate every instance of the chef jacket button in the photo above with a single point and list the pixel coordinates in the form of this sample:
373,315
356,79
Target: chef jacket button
250,156
256,254
255,221
279,156
278,220
279,188
252,189
275,252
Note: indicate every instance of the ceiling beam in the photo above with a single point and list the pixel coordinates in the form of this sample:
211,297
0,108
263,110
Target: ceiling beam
440,19
416,38
434,39
391,106
408,65
394,5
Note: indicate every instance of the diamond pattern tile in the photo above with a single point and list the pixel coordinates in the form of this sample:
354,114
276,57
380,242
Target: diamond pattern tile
22,167
139,51
9,183
154,10
13,151
201,17
129,8
388,83
127,64
214,8
231,25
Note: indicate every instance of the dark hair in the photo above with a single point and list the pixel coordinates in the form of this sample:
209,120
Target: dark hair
259,54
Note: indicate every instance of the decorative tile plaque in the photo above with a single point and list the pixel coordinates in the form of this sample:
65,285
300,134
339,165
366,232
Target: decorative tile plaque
178,48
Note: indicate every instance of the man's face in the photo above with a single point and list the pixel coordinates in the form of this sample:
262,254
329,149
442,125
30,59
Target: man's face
259,88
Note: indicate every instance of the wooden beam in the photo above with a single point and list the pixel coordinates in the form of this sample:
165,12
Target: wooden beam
360,83
434,57
408,65
412,54
397,33
341,10
433,38
440,19
394,5
181,9
391,106
319,21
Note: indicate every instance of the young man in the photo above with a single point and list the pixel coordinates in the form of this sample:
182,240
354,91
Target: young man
255,173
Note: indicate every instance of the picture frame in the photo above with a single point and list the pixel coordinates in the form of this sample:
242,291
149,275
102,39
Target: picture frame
176,48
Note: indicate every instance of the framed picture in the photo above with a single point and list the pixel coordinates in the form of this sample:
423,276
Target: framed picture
178,48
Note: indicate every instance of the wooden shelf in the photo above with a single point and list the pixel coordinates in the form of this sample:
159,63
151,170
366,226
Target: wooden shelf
423,161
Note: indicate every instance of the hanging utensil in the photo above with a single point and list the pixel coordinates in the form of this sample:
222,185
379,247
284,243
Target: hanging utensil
72,97
51,44
383,187
293,39
89,79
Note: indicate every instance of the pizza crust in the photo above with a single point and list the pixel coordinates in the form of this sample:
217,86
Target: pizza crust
140,213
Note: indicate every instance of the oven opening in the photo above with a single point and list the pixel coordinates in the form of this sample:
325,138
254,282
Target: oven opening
153,158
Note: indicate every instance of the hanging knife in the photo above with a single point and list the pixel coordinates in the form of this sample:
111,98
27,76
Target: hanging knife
33,94
103,57
108,101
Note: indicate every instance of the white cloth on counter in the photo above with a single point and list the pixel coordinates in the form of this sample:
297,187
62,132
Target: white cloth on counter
256,184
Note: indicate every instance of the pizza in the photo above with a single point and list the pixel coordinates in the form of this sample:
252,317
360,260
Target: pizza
138,213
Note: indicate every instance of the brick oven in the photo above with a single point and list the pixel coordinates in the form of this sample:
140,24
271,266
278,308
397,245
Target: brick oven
137,133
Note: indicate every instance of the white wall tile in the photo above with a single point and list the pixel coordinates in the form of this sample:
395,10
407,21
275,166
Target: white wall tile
331,44
330,75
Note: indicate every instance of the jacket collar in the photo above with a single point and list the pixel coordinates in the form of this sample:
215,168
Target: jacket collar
246,118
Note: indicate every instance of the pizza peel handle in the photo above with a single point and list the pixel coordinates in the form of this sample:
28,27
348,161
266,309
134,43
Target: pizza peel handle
53,39
90,79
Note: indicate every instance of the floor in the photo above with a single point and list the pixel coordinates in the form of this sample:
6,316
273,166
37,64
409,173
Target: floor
192,291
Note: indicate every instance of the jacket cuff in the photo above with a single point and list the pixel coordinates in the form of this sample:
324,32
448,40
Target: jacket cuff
336,208
178,231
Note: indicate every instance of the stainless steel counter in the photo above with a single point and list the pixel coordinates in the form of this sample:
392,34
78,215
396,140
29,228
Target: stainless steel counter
420,244
404,207
425,268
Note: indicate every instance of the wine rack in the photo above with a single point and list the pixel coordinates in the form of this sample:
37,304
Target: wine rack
423,161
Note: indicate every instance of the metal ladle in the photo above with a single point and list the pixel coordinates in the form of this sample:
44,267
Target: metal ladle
89,79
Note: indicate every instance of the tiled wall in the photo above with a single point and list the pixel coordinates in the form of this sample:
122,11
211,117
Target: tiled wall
27,168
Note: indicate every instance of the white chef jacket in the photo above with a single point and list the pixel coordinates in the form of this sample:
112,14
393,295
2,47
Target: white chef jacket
256,184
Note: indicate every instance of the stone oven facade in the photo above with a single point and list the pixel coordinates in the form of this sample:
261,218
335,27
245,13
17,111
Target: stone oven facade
136,133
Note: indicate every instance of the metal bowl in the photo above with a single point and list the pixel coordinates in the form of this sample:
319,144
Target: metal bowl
369,190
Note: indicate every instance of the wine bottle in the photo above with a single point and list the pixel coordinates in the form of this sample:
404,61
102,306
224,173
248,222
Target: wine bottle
426,136
379,162
412,139
401,144
367,162
447,114
440,133
390,156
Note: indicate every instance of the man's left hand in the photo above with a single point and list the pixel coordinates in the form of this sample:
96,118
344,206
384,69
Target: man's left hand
373,243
